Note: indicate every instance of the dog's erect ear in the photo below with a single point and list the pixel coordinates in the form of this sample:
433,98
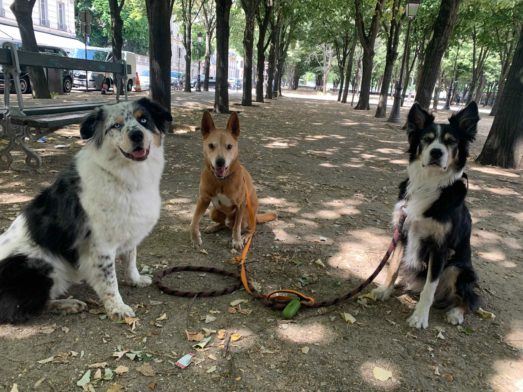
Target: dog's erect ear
161,117
466,120
207,124
90,124
233,125
418,118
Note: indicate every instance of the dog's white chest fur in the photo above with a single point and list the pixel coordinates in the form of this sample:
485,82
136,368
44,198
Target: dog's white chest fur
221,200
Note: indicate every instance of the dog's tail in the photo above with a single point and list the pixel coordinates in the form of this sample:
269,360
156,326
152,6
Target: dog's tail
266,217
25,286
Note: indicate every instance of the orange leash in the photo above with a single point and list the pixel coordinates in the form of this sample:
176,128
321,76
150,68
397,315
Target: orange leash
273,295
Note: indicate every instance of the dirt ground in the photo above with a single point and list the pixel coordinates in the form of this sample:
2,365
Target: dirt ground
331,173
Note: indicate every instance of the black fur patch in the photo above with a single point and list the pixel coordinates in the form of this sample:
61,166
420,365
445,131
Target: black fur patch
161,117
56,219
90,124
25,285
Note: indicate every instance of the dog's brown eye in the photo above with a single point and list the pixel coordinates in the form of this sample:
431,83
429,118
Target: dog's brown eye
211,146
229,146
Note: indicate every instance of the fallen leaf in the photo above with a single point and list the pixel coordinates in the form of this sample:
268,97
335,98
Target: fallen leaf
86,379
208,331
97,365
132,322
209,319
98,374
436,371
201,250
121,370
146,369
108,374
151,386
235,337
211,369
47,360
320,263
194,336
201,344
214,311
162,317
348,318
238,301
115,388
485,314
449,377
305,349
466,330
65,329
221,334
440,336
370,295
14,388
38,383
119,354
381,374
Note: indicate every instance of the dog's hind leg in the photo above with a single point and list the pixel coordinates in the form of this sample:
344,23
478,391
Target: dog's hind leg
132,272
219,218
383,292
66,306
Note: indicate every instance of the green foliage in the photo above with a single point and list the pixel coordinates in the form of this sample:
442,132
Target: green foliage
135,29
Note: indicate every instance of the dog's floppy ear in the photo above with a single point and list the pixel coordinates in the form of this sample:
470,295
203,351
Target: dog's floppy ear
161,117
418,118
207,123
234,125
466,120
91,123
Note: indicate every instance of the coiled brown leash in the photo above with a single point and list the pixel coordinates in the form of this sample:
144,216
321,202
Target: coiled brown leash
277,299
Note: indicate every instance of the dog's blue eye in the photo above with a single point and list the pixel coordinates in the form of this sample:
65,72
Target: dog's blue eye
143,120
229,146
117,125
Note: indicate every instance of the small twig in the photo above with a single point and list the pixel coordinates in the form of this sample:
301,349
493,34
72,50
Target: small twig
226,344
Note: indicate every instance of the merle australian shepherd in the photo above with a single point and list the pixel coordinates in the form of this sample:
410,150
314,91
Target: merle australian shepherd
434,255
99,208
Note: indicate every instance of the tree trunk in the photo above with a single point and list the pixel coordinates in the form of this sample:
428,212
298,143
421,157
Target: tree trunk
272,61
367,42
23,9
250,8
263,19
348,75
159,16
501,85
207,61
209,22
392,54
443,27
221,94
117,36
504,145
187,39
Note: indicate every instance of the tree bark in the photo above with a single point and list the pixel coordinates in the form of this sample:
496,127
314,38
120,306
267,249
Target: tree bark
504,145
23,10
263,19
159,16
221,94
367,41
443,27
209,21
348,75
115,9
391,56
250,7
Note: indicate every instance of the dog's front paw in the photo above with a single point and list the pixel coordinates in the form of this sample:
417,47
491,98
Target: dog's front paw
196,238
237,244
455,316
419,319
382,293
119,311
141,281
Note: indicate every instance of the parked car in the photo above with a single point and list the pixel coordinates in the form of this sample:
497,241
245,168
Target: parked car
212,82
25,81
235,84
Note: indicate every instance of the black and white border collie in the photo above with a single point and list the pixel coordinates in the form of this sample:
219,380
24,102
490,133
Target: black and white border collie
434,252
99,208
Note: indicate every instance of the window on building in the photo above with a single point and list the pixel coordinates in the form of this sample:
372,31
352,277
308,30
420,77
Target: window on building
61,16
2,11
44,15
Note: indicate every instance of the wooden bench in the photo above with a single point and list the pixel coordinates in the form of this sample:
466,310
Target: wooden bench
20,122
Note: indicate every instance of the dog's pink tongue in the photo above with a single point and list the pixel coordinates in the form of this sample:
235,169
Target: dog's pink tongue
220,171
139,153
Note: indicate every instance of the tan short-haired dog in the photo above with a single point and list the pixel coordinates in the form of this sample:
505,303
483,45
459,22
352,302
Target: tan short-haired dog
225,183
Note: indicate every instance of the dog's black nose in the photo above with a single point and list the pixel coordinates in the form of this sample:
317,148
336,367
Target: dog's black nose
436,153
220,162
136,136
